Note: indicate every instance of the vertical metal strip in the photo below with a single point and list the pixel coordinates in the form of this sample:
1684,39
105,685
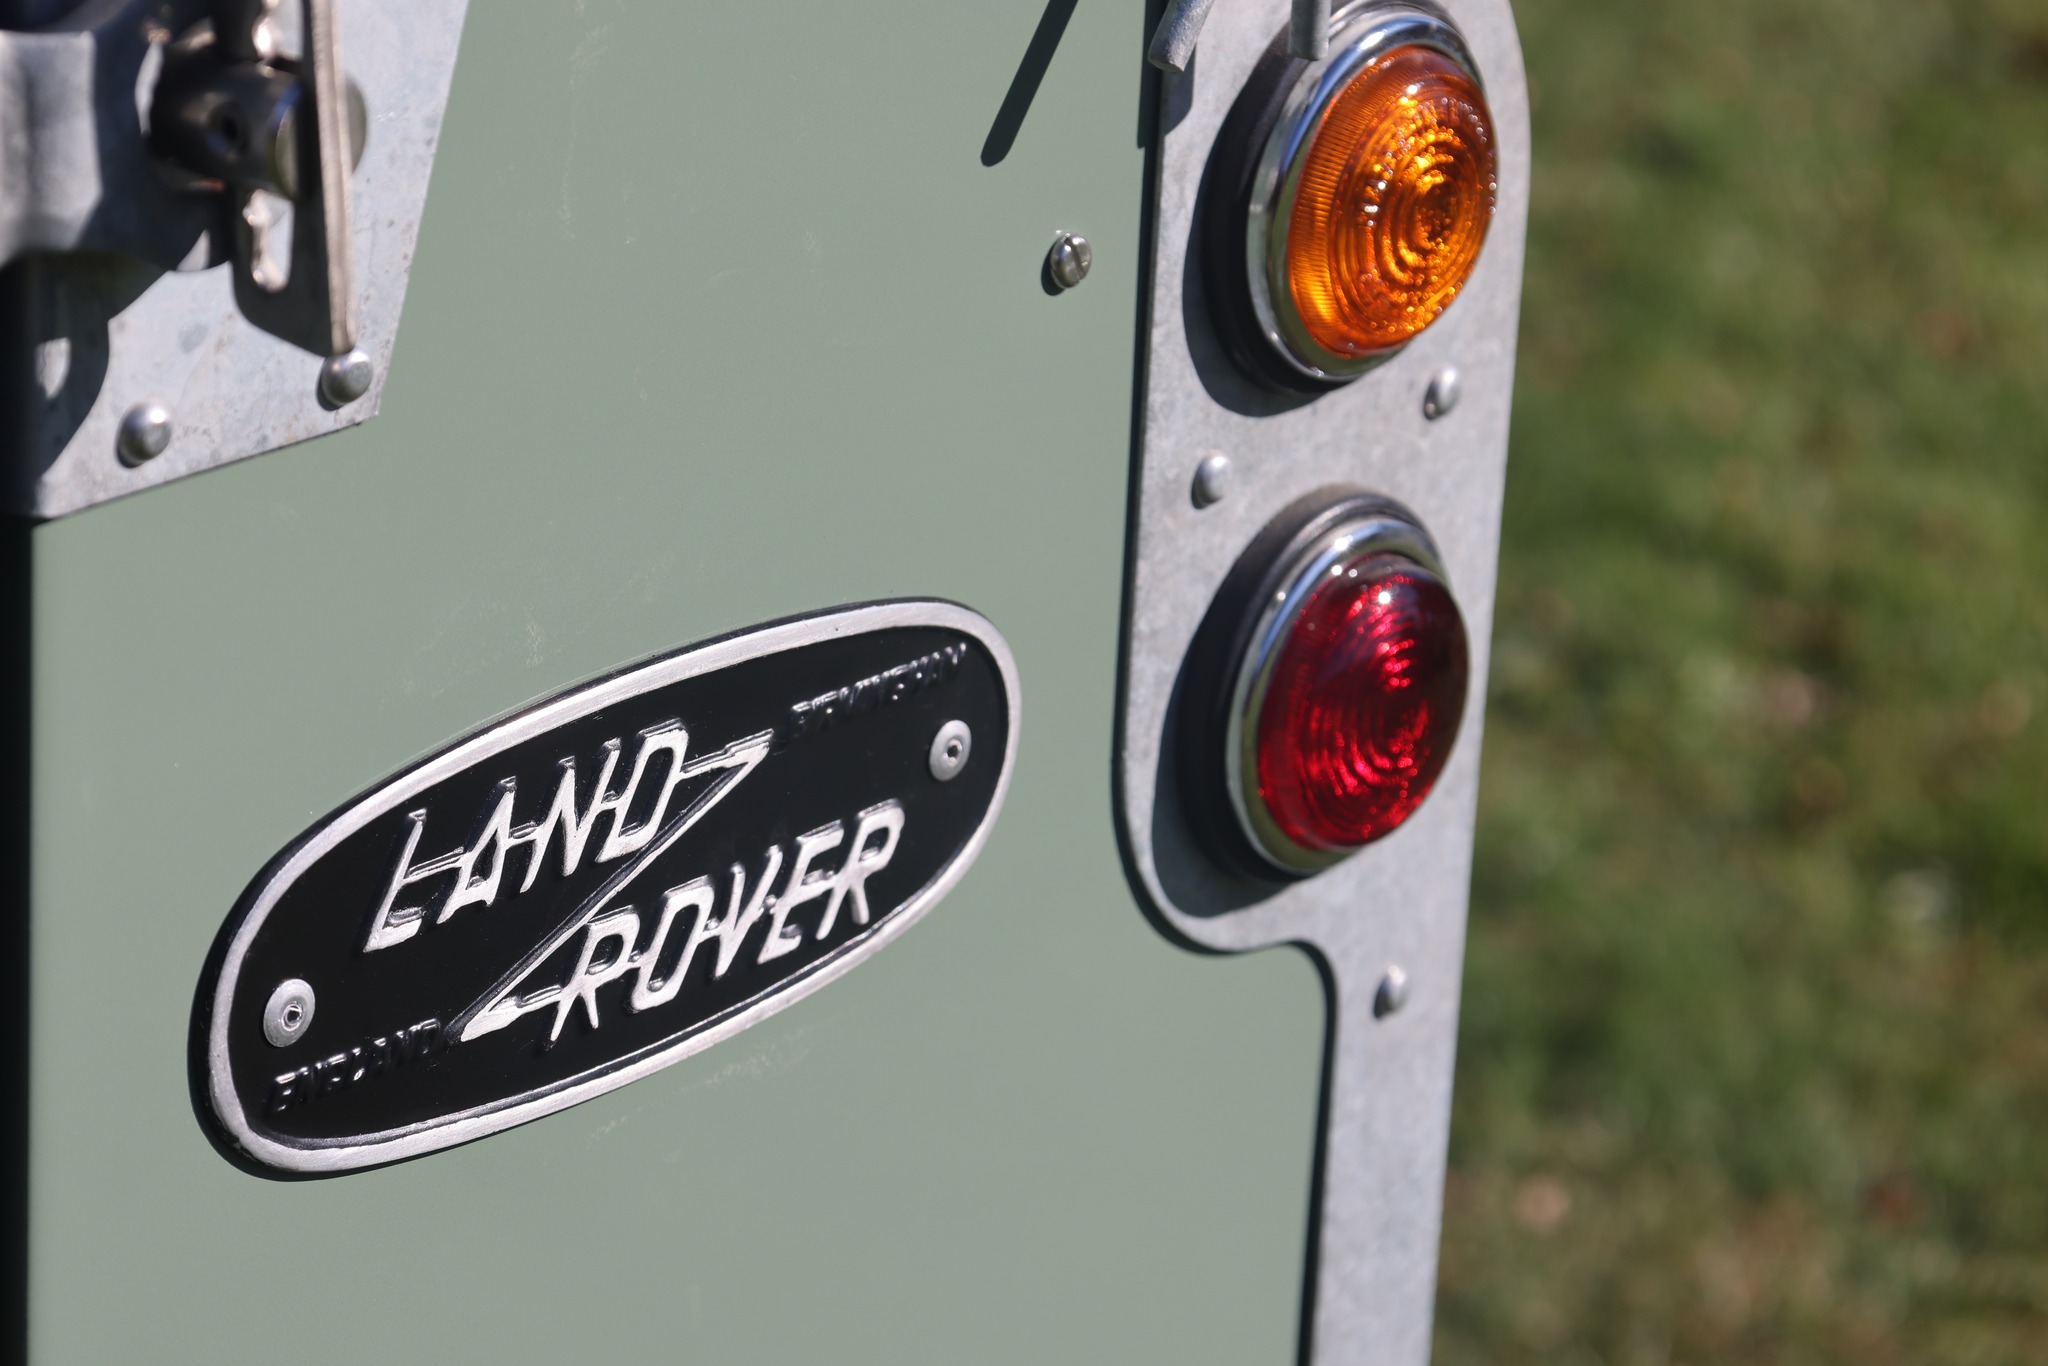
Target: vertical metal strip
330,119
1309,35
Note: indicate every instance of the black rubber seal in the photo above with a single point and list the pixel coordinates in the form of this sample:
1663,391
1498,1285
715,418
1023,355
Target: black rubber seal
1224,211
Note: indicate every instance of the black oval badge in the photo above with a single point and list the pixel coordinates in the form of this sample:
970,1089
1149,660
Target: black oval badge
604,884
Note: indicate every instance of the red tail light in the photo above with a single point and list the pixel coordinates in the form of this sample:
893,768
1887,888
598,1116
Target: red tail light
1361,704
1327,686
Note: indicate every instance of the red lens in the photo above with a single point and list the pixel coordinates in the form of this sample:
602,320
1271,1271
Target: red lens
1363,703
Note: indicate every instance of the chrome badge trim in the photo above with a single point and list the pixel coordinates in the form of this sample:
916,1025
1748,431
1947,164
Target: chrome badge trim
467,1020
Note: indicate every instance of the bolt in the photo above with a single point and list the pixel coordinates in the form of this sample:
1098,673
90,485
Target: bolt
1069,260
145,431
346,377
1392,995
950,748
289,1013
1442,394
1212,479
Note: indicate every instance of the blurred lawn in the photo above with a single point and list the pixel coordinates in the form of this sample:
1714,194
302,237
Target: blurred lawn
1754,1065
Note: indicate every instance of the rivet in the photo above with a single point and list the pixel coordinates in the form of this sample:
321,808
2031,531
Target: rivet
1212,479
145,431
950,748
1392,995
1069,259
288,1013
1442,394
346,377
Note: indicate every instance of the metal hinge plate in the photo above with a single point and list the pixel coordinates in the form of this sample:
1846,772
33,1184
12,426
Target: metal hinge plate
120,302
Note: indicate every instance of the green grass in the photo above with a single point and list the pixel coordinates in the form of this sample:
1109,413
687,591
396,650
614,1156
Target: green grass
1754,1064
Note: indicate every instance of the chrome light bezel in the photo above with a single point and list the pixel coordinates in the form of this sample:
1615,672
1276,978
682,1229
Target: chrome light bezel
1369,531
1359,33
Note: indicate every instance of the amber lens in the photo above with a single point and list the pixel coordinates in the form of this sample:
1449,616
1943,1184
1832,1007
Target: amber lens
1396,191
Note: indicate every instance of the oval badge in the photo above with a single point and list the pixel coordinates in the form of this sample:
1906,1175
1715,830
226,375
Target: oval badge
603,884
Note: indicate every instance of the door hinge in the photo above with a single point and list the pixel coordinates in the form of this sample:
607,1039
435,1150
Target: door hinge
205,250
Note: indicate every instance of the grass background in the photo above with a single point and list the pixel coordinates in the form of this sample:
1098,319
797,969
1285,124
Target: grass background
1754,1062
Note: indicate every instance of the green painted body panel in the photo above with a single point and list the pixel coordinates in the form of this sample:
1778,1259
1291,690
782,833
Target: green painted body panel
717,317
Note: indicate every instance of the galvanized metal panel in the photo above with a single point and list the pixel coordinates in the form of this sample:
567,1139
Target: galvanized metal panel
1400,903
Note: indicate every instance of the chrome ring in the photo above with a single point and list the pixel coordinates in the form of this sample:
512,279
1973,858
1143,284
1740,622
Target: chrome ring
1370,532
1359,33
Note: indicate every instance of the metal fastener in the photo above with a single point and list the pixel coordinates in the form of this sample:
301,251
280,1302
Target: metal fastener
288,1013
1212,479
1180,27
346,377
950,748
1069,260
1442,394
145,431
1308,36
1392,995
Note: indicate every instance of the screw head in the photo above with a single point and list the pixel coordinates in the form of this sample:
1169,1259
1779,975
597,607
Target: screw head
289,1013
346,377
1212,479
1069,260
1442,394
1392,995
145,431
950,748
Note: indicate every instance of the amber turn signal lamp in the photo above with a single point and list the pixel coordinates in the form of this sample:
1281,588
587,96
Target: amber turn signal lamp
1327,687
1349,198
1395,192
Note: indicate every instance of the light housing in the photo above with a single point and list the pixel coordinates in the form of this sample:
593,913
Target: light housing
1349,197
1326,688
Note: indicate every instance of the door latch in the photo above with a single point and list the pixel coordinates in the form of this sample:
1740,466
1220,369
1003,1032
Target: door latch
205,249
280,136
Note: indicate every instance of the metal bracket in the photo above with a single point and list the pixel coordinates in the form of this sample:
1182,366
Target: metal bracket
1180,28
1385,926
159,141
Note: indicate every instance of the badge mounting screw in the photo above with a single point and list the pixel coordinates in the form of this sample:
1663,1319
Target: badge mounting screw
950,748
289,1013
